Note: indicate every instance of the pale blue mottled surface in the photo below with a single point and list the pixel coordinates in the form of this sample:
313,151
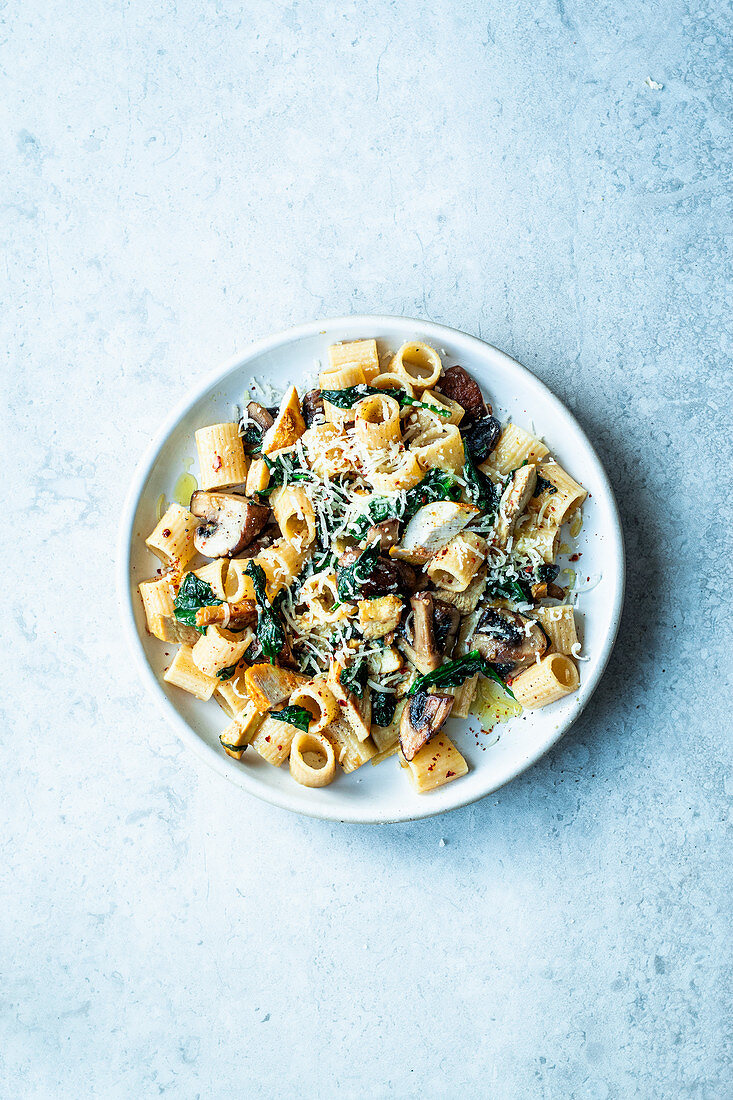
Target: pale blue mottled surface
180,177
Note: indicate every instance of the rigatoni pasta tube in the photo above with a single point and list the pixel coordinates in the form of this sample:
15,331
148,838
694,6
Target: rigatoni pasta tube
545,540
215,575
312,760
172,538
441,445
183,673
546,682
295,515
218,649
391,473
281,562
389,381
418,364
377,421
444,405
222,461
157,598
238,585
351,753
514,447
319,701
555,505
273,740
558,624
464,696
436,763
455,566
319,593
357,353
328,450
342,379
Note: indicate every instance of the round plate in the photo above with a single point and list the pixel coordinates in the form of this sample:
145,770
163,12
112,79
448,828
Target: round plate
382,793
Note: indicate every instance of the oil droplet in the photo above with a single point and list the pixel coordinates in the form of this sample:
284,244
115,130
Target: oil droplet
161,506
184,489
576,524
492,704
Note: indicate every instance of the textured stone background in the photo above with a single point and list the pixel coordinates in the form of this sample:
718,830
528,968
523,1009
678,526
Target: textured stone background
178,178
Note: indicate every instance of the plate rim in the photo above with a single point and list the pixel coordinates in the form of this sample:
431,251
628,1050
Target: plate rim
125,593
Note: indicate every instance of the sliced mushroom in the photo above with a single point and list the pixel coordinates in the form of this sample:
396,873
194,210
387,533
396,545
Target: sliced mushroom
432,527
425,653
260,415
514,500
312,407
231,522
457,384
507,638
270,534
446,620
386,533
387,576
481,438
422,717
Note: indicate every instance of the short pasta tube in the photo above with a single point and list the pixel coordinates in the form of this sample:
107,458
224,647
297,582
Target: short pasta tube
320,595
172,538
312,760
377,422
319,701
443,405
435,764
456,565
560,500
295,515
218,649
514,447
545,682
281,562
351,753
157,598
390,381
357,353
439,445
390,473
222,461
214,574
183,673
238,585
558,624
545,541
273,740
231,694
418,364
464,696
342,379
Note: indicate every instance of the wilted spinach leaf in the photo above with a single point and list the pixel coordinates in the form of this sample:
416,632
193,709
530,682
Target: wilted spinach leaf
270,633
294,716
454,673
193,593
383,707
354,676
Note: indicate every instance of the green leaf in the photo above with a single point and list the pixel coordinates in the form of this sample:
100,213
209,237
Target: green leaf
193,594
294,716
354,676
510,589
384,705
480,488
232,748
252,438
379,509
544,486
350,578
346,399
436,485
454,673
226,673
270,633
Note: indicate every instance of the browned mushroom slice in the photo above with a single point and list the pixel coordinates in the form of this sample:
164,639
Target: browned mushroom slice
386,576
544,590
312,407
422,717
507,638
457,384
386,533
260,415
446,620
418,645
230,523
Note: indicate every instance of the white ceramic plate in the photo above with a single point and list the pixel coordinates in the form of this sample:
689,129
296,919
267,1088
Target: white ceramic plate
382,793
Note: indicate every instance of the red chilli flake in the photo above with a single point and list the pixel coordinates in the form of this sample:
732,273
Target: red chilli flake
449,774
217,464
267,737
167,533
576,557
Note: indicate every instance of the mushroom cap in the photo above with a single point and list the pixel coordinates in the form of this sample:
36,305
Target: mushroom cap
423,716
230,523
508,638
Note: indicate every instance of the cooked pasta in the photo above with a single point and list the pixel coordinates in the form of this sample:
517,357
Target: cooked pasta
372,564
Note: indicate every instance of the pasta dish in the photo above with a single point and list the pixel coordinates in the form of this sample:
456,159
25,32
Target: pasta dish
360,565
